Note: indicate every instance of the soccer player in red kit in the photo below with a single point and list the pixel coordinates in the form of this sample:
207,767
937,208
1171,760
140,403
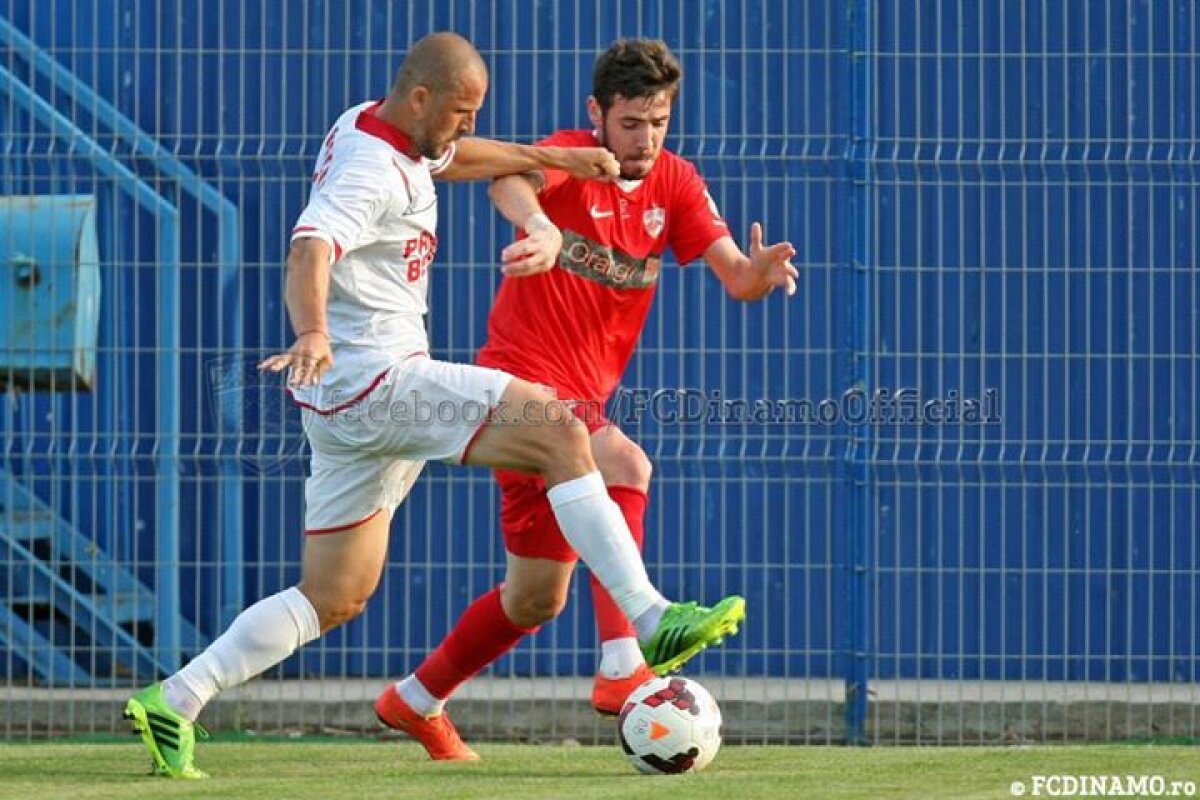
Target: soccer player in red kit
577,290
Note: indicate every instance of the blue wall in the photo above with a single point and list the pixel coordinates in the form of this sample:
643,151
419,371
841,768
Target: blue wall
985,197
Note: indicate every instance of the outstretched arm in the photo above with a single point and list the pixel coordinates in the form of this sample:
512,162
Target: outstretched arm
515,196
751,277
479,159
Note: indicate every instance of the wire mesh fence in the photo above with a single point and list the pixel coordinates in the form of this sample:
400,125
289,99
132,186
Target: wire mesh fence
967,511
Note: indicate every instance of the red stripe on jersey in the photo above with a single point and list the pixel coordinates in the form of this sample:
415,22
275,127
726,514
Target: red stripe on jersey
358,398
369,123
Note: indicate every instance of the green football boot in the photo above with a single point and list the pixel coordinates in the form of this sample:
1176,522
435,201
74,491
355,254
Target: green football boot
170,737
687,628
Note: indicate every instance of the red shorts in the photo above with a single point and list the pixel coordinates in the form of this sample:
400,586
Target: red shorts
527,521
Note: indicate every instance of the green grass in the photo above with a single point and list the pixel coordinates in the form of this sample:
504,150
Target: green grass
359,768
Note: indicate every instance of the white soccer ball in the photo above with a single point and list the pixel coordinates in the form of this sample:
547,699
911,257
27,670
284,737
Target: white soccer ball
670,725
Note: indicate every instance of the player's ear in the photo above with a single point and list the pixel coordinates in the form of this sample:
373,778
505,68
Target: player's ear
419,98
594,114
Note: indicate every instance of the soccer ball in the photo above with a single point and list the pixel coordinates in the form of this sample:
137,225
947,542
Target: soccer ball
670,725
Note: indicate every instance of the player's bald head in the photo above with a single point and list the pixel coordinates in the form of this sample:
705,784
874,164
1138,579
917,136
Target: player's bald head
439,62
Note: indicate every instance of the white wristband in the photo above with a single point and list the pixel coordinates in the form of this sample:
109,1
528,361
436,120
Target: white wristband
537,222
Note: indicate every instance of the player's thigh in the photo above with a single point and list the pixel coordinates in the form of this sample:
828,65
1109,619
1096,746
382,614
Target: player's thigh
530,431
340,570
621,460
535,589
428,410
348,482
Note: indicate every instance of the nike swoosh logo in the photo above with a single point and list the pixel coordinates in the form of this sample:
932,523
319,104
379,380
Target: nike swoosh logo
598,214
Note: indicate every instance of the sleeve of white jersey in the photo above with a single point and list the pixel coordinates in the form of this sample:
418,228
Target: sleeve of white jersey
437,166
349,200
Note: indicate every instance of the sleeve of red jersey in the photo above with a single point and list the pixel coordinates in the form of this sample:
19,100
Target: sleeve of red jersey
695,221
343,204
556,177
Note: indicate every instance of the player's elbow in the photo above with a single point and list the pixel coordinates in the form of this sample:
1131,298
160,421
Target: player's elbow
500,186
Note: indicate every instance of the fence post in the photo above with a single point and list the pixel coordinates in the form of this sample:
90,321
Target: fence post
856,636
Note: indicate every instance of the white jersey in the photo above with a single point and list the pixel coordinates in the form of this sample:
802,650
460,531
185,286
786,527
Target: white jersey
373,202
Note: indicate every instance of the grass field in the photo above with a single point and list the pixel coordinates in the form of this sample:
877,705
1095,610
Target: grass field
359,768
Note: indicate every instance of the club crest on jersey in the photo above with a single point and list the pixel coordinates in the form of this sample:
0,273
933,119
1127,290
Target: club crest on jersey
654,218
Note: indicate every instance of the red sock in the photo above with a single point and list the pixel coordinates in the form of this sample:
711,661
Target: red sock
483,634
610,620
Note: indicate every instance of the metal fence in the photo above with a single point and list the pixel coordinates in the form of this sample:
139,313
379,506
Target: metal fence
973,518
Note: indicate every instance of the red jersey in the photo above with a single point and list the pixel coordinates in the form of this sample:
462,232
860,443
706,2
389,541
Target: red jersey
574,327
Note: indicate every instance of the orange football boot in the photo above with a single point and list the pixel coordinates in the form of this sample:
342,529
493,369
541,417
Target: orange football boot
610,694
436,734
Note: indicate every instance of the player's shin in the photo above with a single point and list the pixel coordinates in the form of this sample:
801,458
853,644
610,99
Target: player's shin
593,525
259,638
611,624
483,633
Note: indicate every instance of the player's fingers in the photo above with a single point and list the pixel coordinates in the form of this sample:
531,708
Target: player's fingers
298,375
537,260
609,166
792,272
517,251
320,369
306,368
525,268
301,366
756,236
781,250
791,286
275,363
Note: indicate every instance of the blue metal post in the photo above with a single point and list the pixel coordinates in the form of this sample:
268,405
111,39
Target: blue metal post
166,358
232,520
229,253
857,633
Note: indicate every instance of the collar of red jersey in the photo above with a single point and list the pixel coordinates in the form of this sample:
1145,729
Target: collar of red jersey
368,122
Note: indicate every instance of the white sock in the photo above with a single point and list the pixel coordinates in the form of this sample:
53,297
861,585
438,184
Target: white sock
263,635
418,697
620,658
647,623
593,525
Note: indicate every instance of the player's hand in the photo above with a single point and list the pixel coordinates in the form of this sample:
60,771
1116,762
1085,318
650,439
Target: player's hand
309,358
590,162
537,252
773,262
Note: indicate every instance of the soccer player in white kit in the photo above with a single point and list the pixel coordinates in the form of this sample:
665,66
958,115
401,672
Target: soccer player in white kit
357,280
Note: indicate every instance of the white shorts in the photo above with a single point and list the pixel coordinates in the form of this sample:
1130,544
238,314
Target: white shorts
366,457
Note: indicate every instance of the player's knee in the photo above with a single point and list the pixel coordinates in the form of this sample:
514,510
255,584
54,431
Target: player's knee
567,452
532,608
337,609
627,465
